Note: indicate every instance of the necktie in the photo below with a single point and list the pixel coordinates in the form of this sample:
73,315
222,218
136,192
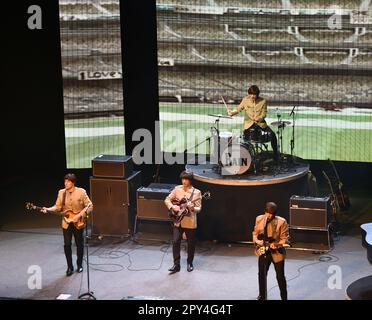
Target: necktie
265,230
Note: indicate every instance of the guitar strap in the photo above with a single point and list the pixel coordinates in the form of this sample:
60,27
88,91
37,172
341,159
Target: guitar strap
63,201
192,194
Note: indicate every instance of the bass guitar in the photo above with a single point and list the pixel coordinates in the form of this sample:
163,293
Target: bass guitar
68,216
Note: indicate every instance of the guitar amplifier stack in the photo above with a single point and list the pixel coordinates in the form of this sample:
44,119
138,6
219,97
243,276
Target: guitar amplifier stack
310,218
111,166
113,193
150,202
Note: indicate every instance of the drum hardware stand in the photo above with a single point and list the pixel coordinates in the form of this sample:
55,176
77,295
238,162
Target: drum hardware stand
280,137
281,140
255,157
293,134
218,166
278,131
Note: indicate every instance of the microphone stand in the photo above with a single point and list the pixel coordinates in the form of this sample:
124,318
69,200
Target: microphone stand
266,243
293,132
197,145
208,139
89,294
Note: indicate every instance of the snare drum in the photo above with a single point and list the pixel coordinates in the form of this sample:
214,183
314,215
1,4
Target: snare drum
264,137
256,134
226,139
251,134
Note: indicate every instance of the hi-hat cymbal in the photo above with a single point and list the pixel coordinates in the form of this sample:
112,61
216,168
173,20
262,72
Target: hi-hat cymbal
220,116
280,123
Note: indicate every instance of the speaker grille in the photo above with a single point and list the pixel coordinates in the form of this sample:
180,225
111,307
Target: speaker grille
311,213
308,218
311,239
149,209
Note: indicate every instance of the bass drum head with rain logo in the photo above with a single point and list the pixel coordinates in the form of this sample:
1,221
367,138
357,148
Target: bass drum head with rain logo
236,159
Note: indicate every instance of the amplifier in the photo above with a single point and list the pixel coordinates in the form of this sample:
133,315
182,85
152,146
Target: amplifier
309,212
114,202
150,201
314,240
111,166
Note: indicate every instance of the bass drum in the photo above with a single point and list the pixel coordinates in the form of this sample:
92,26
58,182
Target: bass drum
236,159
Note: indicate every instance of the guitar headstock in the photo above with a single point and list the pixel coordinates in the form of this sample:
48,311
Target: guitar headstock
207,195
30,206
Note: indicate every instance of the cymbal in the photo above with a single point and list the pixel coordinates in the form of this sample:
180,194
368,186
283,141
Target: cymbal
220,116
280,123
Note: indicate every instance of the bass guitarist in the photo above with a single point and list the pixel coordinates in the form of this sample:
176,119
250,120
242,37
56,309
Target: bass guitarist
270,236
188,223
74,199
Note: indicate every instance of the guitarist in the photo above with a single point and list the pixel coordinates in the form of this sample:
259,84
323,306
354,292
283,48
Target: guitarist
188,224
271,232
77,200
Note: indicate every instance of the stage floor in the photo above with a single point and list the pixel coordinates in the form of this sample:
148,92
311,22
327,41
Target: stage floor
122,269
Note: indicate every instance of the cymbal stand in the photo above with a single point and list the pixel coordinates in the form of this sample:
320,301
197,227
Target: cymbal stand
217,128
280,134
293,133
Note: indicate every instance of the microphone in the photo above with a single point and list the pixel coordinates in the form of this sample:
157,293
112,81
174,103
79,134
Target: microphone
292,111
261,236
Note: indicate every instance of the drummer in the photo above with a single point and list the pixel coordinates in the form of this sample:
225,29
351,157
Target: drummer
255,113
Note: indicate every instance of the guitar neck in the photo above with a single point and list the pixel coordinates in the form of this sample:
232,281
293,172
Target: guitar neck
205,195
37,208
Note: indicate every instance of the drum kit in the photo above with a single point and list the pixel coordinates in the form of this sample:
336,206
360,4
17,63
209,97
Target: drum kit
237,154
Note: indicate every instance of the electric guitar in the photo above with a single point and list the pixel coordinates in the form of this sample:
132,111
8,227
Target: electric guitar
184,210
335,205
342,197
68,215
263,249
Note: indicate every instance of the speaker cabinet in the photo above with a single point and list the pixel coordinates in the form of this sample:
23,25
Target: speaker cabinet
114,202
150,201
110,166
309,212
311,239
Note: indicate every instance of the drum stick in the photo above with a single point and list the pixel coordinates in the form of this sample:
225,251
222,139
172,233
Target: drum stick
227,108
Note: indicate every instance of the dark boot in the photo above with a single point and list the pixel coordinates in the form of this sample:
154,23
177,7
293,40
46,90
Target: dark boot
175,268
68,254
190,267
